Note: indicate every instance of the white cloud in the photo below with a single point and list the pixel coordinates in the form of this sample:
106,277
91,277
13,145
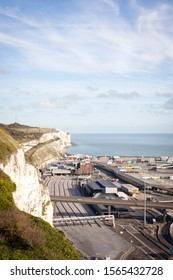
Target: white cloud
48,104
92,88
102,45
72,98
115,94
17,15
113,5
18,108
57,101
94,57
169,104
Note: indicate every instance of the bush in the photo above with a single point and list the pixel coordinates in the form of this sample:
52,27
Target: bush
16,227
25,237
6,189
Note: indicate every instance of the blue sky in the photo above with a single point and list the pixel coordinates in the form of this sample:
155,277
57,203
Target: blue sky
87,66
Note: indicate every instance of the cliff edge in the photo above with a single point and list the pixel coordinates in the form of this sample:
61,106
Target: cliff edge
24,149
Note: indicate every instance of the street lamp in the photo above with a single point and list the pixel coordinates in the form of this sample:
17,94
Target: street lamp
145,206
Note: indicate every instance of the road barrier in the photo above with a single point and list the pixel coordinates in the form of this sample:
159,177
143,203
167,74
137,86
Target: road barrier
87,218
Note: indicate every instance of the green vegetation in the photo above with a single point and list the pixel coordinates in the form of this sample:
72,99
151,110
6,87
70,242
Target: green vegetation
44,207
6,189
24,133
22,236
25,237
12,135
7,145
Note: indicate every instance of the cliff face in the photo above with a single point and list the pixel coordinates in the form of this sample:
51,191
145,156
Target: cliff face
30,195
48,148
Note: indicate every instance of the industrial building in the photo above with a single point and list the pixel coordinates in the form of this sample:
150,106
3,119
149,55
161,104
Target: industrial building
59,171
129,189
84,168
101,186
118,211
55,171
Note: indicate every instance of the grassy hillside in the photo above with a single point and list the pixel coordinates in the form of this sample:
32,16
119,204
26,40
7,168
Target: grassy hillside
24,133
13,135
7,145
23,236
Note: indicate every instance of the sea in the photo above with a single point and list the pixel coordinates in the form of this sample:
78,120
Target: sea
122,144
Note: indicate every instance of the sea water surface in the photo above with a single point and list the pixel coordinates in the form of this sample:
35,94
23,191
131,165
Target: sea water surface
122,144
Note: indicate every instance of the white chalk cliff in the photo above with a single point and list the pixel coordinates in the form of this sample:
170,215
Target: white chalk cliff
54,144
31,195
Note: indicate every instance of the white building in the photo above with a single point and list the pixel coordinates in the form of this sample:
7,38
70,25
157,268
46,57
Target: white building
122,195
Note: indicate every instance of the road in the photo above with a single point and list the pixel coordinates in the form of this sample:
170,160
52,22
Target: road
96,240
115,201
93,239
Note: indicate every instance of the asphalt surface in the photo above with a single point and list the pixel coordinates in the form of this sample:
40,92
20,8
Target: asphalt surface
92,239
105,201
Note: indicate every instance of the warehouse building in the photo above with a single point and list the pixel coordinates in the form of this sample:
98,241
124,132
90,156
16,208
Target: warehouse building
101,186
108,186
92,188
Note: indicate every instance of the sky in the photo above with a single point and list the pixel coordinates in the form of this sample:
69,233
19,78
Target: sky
84,66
